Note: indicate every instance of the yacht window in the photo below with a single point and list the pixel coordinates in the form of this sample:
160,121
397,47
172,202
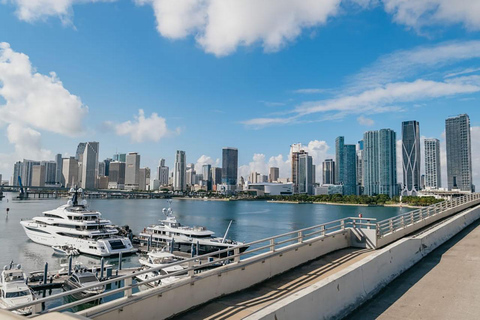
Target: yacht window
88,279
14,277
17,294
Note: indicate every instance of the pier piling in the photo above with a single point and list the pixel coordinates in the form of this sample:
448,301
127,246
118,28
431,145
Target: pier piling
45,273
102,266
120,261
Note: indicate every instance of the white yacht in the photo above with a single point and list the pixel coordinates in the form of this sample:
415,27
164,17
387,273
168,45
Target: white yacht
164,260
14,290
184,238
76,226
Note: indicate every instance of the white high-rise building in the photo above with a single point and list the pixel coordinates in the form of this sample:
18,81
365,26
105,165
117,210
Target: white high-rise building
433,176
132,171
179,172
70,172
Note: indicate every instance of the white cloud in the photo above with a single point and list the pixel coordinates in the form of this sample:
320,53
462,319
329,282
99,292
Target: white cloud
204,159
378,100
310,91
33,10
31,101
144,129
419,14
34,99
364,121
319,150
220,26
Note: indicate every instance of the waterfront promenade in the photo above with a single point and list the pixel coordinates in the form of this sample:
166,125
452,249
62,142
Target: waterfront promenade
443,285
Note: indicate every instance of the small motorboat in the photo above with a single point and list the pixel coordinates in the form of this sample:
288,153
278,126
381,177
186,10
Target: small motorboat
14,290
81,280
65,250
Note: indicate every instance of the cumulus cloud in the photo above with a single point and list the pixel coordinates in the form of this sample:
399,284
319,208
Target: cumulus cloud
220,26
203,160
143,128
319,150
364,121
34,99
31,102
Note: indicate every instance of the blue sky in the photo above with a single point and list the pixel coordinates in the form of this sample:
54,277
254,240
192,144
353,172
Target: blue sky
258,76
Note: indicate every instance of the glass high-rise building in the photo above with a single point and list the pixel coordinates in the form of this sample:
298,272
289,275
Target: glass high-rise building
180,172
305,174
230,166
339,162
380,163
433,176
90,165
328,171
132,171
349,169
411,157
459,153
59,168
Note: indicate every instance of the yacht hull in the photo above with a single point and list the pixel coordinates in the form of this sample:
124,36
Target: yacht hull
101,248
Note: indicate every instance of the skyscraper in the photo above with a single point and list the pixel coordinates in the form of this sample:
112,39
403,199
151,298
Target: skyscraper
411,157
433,176
70,172
207,175
132,171
274,174
349,169
116,178
121,157
90,165
38,176
80,150
328,171
380,163
360,166
162,173
190,174
50,171
59,168
230,166
339,143
459,153
305,174
179,172
216,175
296,150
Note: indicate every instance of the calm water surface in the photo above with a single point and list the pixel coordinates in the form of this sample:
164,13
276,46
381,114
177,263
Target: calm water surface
252,220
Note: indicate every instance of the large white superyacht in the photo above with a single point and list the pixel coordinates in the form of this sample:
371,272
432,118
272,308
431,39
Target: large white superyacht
183,238
75,225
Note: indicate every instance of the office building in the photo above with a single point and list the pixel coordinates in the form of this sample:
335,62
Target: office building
38,176
142,179
179,172
274,174
305,174
90,165
349,169
411,158
59,167
162,173
328,171
120,157
339,143
230,168
50,171
190,175
132,171
380,163
459,153
80,150
360,166
70,172
207,176
216,176
296,150
433,176
116,179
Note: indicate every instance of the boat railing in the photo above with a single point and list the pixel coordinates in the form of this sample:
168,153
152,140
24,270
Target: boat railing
234,255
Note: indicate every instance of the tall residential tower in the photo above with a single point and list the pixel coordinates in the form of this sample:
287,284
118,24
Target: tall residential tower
459,153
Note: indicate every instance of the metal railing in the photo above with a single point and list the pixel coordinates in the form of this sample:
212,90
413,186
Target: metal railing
258,250
391,225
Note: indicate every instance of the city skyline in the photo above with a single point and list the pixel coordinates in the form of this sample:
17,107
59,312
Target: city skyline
255,95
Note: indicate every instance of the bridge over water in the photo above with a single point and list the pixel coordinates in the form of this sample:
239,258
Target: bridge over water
324,271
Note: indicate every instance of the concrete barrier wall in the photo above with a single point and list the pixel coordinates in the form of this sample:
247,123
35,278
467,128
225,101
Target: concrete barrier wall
400,233
160,304
339,294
